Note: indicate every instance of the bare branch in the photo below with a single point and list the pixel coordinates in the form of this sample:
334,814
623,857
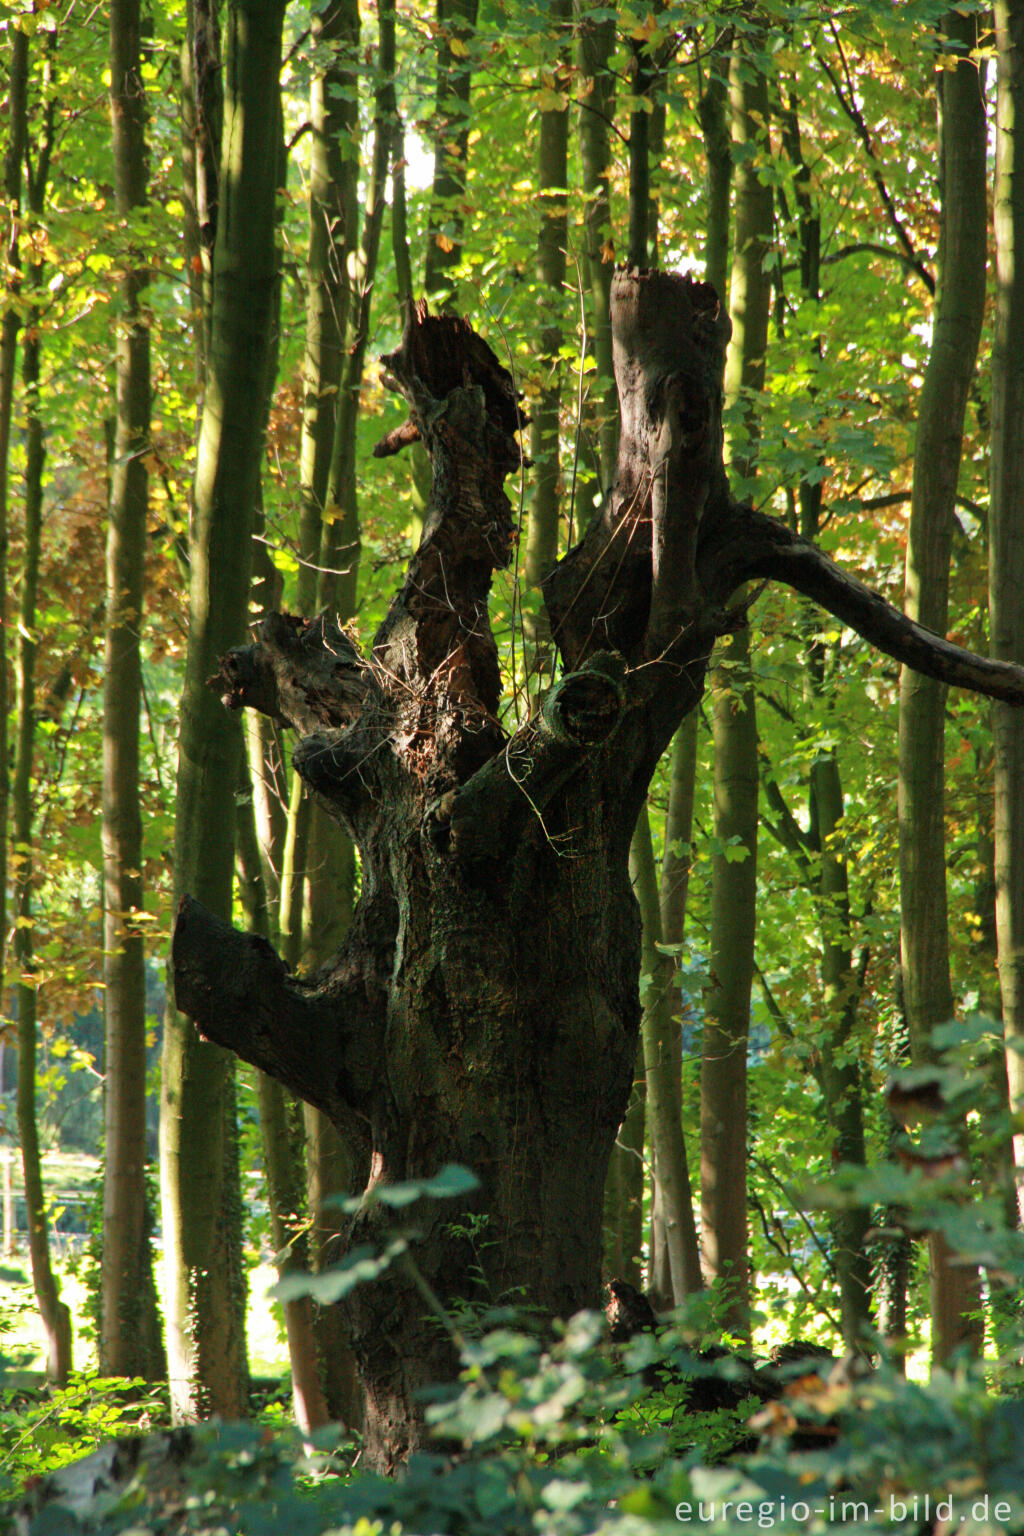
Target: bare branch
305,673
770,549
856,116
240,995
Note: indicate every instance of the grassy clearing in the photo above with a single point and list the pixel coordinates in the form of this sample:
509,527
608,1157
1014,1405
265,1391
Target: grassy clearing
22,1345
70,1179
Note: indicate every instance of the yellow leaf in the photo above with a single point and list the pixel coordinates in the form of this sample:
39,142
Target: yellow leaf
458,47
444,242
648,30
332,513
608,251
551,101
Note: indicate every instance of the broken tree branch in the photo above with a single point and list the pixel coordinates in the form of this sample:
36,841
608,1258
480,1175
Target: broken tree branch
240,995
770,549
305,673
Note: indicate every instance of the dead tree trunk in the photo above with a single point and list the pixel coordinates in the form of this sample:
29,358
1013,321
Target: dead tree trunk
483,1008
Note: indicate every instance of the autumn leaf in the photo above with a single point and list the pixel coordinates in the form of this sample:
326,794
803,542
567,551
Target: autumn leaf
648,30
608,251
552,101
444,242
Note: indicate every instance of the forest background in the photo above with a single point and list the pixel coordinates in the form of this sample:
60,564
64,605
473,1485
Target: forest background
807,932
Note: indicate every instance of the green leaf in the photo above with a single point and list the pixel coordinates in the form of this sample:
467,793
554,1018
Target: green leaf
359,1267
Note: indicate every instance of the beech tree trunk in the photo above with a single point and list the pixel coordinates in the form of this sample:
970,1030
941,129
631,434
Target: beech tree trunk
205,1306
54,1313
1006,556
456,24
596,32
674,1229
14,155
924,918
552,239
821,851
734,727
130,1342
483,1007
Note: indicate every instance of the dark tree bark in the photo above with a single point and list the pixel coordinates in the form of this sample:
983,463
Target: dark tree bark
483,1007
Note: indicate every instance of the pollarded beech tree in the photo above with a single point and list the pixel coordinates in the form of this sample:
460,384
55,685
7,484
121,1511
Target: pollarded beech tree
483,1008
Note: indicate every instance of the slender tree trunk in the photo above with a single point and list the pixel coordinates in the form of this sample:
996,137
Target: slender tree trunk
130,1342
337,326
1006,556
646,134
840,1066
677,858
734,877
924,937
205,1284
17,132
333,235
282,1156
673,891
677,1232
552,241
456,24
261,835
723,1120
202,122
714,122
597,111
893,1253
339,540
56,1316
839,1077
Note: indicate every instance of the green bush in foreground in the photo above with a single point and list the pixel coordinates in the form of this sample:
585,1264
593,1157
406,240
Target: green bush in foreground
568,1436
568,1440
